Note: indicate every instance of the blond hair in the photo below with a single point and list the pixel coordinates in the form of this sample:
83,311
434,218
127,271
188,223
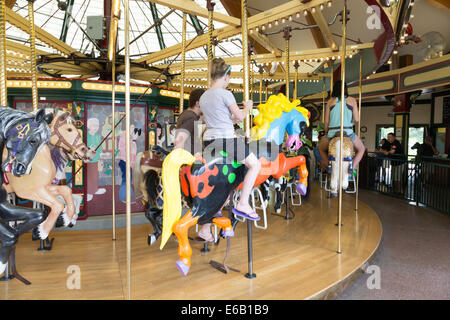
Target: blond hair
219,68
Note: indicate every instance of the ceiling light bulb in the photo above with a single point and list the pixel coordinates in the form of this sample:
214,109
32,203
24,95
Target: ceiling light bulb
283,20
290,18
305,12
313,10
329,4
321,6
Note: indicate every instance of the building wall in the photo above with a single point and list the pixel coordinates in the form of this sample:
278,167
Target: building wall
383,115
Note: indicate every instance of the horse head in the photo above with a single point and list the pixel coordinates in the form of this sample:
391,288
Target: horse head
23,138
277,116
66,135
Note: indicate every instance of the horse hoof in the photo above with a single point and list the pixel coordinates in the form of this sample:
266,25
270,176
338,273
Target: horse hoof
182,267
229,233
151,239
301,188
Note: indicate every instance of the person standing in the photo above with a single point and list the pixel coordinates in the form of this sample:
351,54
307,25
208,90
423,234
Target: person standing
396,152
428,150
185,133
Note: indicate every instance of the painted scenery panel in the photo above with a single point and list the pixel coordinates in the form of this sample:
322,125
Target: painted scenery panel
99,170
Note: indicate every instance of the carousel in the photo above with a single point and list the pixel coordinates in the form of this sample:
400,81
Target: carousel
98,204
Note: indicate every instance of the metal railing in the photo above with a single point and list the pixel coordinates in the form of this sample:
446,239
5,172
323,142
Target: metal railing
422,180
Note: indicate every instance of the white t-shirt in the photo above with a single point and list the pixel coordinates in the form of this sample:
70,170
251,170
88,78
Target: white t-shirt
215,106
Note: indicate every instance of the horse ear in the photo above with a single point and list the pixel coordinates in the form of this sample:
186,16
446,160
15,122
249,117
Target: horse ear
63,117
40,115
48,118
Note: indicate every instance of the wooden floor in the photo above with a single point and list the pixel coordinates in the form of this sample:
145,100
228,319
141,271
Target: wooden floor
293,259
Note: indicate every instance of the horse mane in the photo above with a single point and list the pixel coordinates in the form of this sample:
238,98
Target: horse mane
11,117
58,159
273,109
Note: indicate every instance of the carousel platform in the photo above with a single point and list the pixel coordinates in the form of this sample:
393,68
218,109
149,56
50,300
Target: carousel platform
293,259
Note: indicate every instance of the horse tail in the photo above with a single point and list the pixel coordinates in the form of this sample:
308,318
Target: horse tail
171,189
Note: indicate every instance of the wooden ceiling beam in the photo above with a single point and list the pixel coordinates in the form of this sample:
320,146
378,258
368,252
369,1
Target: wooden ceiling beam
193,8
269,57
263,44
324,28
277,13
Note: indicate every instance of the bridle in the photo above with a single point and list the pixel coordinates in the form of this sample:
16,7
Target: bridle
62,142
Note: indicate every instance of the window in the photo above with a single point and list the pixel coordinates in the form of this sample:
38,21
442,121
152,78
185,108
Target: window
382,132
416,135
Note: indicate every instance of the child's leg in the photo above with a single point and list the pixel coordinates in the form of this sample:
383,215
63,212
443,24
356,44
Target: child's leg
359,151
253,165
205,233
323,148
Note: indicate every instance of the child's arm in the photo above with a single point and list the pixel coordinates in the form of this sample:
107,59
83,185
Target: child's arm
327,117
238,115
353,102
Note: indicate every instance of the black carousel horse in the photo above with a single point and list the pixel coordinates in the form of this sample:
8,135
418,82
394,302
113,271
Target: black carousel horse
22,134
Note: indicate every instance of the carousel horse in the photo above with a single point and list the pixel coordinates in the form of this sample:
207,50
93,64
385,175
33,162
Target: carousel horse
37,186
24,135
273,133
207,183
286,116
147,173
334,160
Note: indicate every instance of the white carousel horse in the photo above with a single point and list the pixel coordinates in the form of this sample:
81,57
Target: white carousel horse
334,160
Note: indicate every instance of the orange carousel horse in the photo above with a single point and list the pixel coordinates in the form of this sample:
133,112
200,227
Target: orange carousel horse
37,186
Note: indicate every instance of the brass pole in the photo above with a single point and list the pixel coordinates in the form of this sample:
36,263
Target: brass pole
115,13
331,79
210,6
344,34
287,36
3,82
34,88
296,65
245,63
113,136
260,84
183,62
323,101
252,76
267,91
127,147
359,126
